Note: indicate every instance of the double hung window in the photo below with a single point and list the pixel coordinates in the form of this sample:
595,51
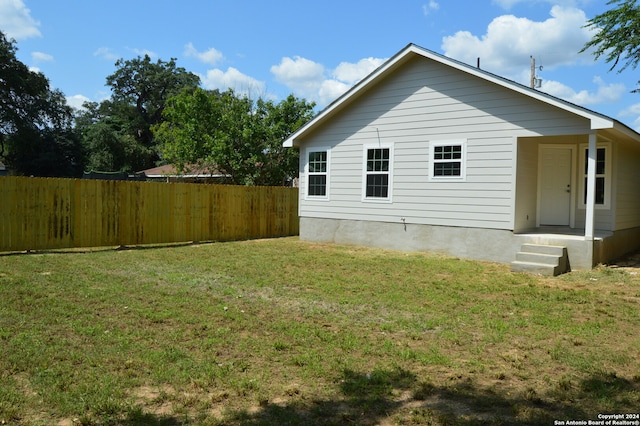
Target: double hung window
447,159
602,175
378,173
318,173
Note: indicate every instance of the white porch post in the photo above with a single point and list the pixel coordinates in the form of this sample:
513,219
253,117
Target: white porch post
591,188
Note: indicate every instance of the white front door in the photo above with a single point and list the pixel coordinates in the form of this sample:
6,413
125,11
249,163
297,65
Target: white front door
555,186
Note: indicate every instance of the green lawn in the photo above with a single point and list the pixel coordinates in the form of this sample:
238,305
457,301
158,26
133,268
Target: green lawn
288,332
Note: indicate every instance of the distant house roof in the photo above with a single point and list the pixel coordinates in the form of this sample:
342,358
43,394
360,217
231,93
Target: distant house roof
193,171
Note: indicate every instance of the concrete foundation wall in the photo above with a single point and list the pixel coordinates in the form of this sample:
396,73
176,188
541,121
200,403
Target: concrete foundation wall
471,243
620,243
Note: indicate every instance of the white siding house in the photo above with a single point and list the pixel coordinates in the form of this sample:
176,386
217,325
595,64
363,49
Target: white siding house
427,153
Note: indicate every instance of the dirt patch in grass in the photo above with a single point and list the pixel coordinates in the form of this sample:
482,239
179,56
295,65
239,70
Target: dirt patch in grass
154,400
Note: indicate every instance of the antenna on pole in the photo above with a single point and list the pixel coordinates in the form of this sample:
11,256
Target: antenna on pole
536,82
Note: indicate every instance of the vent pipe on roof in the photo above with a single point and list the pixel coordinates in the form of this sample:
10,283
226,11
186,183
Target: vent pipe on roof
478,63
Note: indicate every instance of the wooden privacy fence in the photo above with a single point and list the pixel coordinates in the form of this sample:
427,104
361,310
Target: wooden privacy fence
40,214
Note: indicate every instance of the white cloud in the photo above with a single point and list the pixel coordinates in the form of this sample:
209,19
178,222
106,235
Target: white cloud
16,21
430,7
232,79
298,71
352,73
510,41
330,90
633,111
313,81
106,53
76,101
41,57
301,75
211,56
606,93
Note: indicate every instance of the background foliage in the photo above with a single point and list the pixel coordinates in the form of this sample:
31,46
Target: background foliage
40,135
36,133
232,135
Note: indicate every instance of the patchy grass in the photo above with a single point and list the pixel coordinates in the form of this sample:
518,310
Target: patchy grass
288,332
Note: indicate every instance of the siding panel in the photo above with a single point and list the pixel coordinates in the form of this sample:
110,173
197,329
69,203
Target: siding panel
418,103
627,197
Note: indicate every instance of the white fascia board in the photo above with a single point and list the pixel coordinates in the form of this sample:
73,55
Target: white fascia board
598,123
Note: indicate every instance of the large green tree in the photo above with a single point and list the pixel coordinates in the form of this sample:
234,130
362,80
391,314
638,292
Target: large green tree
617,34
117,131
36,134
279,121
107,140
232,135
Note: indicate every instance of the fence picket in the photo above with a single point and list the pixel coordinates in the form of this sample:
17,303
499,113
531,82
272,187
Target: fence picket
42,214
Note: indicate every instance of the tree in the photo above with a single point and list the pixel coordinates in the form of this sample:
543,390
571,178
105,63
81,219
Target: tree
36,135
108,141
48,152
617,36
140,89
20,92
117,132
232,135
280,121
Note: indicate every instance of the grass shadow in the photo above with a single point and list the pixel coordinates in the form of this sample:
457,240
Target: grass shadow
82,250
146,419
398,397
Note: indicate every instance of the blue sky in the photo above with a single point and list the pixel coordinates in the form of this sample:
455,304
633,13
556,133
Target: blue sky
315,49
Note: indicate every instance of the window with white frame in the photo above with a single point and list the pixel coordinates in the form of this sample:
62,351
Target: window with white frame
602,170
317,169
447,159
377,172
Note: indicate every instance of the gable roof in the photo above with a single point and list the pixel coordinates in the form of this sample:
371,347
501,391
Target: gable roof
598,121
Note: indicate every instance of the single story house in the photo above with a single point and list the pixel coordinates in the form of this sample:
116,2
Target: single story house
192,174
430,154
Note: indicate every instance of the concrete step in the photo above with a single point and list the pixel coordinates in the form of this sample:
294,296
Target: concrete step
543,249
541,259
534,268
545,259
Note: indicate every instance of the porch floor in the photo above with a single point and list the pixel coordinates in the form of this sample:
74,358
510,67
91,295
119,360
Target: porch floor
563,232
